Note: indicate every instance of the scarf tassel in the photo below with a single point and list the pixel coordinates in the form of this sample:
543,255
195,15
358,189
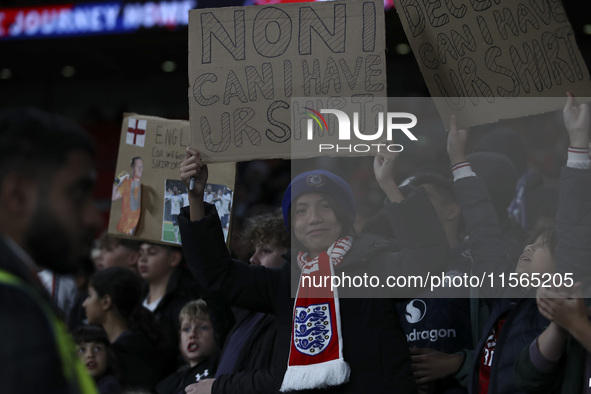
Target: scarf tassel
323,375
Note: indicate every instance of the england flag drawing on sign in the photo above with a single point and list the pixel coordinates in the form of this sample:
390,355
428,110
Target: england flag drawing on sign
136,132
313,329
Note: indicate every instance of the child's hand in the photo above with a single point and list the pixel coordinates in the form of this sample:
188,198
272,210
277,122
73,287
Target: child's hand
576,121
193,167
383,169
456,142
384,166
564,307
201,387
429,365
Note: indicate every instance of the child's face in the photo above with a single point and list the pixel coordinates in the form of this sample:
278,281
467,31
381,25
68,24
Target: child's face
536,258
93,307
197,341
268,255
155,262
114,255
94,356
315,223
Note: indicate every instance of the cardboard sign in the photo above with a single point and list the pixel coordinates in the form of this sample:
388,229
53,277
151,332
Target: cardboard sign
148,192
477,55
245,64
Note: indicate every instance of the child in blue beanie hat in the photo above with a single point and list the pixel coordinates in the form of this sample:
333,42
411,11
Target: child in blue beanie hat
318,344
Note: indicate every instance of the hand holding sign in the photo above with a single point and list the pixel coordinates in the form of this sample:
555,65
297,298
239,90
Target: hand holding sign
193,170
151,207
478,57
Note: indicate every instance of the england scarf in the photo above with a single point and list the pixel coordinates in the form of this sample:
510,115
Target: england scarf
316,352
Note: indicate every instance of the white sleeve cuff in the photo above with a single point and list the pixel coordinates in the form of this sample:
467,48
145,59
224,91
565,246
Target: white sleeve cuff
462,170
578,158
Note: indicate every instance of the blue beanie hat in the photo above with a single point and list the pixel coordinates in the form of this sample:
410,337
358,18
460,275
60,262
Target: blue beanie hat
318,181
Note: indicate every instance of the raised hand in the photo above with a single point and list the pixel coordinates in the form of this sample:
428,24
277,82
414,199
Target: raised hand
576,121
456,142
193,167
383,168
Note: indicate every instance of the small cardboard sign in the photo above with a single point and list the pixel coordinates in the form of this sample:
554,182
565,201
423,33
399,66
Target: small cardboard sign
147,190
477,56
245,64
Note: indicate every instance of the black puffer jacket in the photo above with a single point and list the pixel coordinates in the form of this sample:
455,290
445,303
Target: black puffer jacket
373,342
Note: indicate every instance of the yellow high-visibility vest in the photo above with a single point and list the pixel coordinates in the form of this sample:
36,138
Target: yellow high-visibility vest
74,371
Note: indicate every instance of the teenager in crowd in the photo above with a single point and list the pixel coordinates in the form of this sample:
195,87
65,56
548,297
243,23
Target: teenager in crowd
167,288
318,209
115,302
246,364
117,252
437,360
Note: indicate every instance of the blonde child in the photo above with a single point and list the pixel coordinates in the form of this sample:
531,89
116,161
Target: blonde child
198,347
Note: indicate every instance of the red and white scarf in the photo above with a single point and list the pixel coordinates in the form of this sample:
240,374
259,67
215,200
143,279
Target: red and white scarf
316,352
